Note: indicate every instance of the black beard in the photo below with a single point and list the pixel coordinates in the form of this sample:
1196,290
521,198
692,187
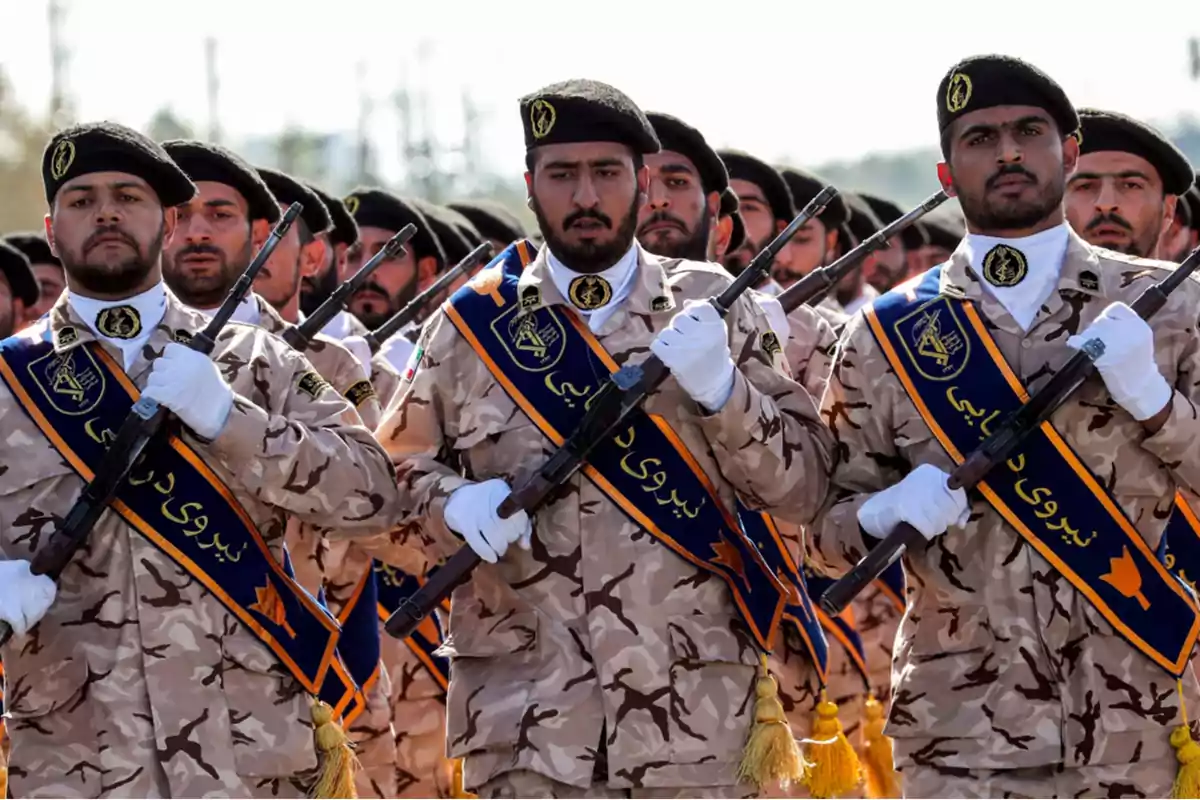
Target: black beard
693,248
204,292
117,279
8,318
314,291
735,263
591,257
379,313
987,216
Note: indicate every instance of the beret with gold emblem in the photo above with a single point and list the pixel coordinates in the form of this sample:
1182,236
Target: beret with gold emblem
1110,130
211,162
745,167
14,266
679,137
344,230
804,186
912,237
987,81
288,190
377,208
109,147
581,110
731,207
492,220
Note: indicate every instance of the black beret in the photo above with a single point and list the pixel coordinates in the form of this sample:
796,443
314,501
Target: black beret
585,111
804,186
743,166
211,162
454,243
944,227
679,137
1191,199
729,208
376,208
1183,209
109,147
492,220
888,212
344,230
993,80
1109,130
34,246
288,190
15,267
863,222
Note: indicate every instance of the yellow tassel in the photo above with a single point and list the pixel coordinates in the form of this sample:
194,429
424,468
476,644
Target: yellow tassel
834,766
3,781
771,752
879,768
336,756
1187,752
457,790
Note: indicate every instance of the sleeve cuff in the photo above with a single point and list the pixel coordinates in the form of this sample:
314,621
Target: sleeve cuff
240,441
448,542
1175,441
732,415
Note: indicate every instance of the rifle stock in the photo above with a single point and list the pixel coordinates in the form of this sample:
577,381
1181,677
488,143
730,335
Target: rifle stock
140,427
998,447
613,402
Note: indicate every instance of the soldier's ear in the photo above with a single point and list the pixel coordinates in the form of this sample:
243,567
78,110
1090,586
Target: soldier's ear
170,218
260,229
49,223
427,268
722,232
945,178
312,256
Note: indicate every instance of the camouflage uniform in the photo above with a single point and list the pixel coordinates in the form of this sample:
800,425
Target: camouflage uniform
138,682
599,657
338,566
1004,673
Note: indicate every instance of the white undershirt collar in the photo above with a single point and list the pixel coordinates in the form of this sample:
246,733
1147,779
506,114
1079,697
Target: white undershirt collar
1039,257
140,313
619,278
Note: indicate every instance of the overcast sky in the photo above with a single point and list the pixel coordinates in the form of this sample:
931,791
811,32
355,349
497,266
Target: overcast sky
807,81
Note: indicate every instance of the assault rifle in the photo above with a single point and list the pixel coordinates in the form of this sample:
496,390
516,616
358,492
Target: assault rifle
997,448
144,422
613,402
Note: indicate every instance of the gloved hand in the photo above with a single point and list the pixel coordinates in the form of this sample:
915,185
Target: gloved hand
24,597
190,384
1127,365
695,347
922,499
471,512
361,350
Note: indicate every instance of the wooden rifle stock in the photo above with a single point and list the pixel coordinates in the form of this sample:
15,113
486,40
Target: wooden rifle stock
998,447
140,427
614,401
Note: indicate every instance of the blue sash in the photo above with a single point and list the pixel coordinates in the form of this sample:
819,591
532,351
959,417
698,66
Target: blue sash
78,399
394,586
842,628
1179,549
962,387
544,359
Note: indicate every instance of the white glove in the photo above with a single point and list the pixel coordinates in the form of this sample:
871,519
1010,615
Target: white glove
190,384
922,499
471,512
361,350
695,347
24,597
1127,365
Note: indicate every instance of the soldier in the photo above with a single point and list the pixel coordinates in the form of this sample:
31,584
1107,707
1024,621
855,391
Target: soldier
18,288
889,267
494,222
815,244
1130,177
594,658
380,215
730,232
1183,234
47,270
767,207
315,289
174,663
1025,664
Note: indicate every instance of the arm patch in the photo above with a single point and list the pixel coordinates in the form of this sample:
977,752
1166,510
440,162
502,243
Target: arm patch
360,392
311,384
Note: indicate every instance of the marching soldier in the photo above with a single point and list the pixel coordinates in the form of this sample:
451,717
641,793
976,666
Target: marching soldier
767,207
730,233
862,222
1129,179
602,654
1040,651
316,289
815,244
47,270
18,288
1183,234
178,659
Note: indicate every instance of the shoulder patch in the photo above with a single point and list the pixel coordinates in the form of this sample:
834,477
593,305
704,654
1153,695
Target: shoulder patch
1089,280
360,392
660,303
181,336
770,344
311,384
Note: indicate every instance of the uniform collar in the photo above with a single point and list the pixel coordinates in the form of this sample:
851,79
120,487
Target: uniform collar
147,311
649,293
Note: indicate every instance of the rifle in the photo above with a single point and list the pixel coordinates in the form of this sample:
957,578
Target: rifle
377,337
143,423
997,448
813,287
299,337
610,406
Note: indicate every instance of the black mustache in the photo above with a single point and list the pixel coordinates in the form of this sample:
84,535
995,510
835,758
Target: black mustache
1108,219
1010,170
587,213
109,230
199,250
662,216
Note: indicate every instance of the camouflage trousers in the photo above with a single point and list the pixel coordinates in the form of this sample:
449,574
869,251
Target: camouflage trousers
1143,779
523,783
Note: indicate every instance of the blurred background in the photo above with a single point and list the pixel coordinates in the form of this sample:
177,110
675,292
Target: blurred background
422,98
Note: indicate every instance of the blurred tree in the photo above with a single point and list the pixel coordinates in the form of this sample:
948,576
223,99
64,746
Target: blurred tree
22,140
166,125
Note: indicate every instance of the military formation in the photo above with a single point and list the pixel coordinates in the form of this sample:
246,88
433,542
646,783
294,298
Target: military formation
722,482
